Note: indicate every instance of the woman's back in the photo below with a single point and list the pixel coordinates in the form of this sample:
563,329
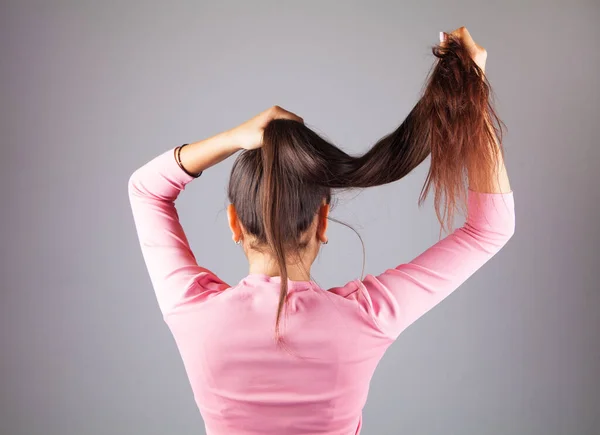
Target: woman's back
242,382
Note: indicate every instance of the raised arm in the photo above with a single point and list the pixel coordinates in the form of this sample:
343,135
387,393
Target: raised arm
174,273
398,297
153,188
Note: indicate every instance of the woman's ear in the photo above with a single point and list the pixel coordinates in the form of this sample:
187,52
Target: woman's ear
322,228
234,224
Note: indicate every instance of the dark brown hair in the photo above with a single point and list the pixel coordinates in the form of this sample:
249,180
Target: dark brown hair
277,189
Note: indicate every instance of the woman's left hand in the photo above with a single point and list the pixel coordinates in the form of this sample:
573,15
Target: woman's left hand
249,135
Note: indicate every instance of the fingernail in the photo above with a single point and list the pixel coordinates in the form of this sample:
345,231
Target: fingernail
442,37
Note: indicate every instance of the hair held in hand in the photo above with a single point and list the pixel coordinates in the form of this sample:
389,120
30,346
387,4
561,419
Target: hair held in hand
278,188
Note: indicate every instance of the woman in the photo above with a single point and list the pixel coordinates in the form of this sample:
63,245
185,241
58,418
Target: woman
314,377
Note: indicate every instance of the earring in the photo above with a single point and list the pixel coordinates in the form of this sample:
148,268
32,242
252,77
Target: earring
238,242
325,242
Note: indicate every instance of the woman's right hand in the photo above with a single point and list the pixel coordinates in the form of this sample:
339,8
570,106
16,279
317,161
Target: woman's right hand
477,52
249,134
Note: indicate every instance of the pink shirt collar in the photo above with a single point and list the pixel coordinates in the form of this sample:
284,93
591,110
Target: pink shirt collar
261,278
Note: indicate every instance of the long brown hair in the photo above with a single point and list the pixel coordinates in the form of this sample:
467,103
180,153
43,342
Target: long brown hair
277,189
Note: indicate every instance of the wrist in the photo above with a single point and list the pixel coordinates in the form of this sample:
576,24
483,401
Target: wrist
230,141
198,156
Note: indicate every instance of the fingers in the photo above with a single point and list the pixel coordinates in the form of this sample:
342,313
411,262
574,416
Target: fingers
279,112
464,35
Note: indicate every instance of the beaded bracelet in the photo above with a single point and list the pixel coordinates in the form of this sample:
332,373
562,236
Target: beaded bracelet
178,159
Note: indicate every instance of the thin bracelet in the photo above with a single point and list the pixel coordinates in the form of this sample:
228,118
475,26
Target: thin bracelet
178,159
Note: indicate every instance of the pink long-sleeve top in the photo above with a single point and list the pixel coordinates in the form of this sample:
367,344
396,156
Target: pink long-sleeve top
243,384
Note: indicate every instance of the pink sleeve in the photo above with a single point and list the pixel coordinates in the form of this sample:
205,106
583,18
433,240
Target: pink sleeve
174,272
399,296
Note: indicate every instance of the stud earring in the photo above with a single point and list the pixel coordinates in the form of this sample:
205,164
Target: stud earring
325,242
238,242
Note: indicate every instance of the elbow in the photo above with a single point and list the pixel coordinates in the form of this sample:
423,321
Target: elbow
507,230
132,177
511,228
132,185
491,220
491,239
504,235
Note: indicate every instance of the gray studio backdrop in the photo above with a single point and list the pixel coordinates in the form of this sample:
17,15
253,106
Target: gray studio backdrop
90,91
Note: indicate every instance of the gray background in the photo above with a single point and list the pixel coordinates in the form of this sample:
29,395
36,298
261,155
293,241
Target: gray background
90,91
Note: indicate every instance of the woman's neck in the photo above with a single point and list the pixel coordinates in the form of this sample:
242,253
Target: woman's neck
295,272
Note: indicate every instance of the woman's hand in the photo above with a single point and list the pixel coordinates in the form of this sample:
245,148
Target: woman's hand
249,135
198,156
477,52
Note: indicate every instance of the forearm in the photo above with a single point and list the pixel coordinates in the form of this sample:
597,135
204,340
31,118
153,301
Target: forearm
499,182
198,156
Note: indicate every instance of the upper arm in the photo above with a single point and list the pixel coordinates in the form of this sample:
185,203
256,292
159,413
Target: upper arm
174,272
399,296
